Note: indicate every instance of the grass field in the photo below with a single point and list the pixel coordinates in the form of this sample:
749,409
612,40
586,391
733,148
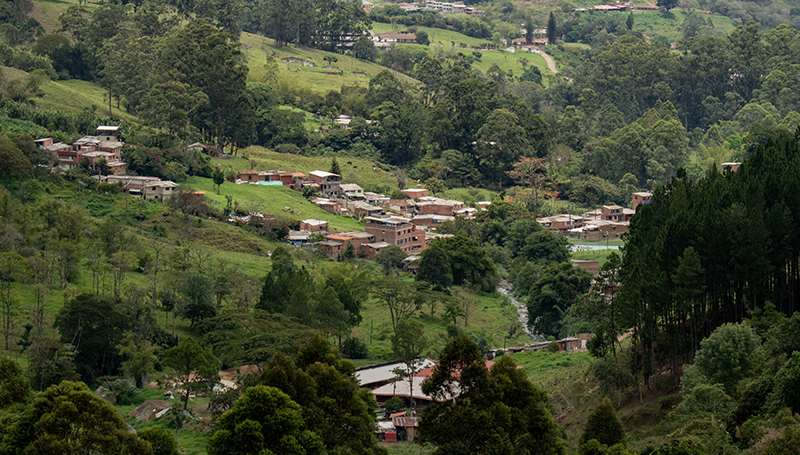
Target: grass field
448,41
651,23
47,12
70,96
270,200
308,79
359,170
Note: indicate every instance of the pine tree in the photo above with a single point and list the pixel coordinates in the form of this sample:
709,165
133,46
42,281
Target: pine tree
528,30
604,426
551,29
629,22
335,169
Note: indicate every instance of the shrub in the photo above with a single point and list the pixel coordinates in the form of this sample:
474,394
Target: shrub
354,348
123,390
394,404
604,426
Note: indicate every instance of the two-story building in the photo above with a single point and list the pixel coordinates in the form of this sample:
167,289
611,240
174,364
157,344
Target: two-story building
352,191
640,198
147,188
616,213
160,191
328,183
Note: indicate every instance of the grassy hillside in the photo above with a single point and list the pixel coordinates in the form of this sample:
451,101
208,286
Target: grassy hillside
70,96
574,393
651,23
360,170
449,41
315,79
75,95
47,12
270,200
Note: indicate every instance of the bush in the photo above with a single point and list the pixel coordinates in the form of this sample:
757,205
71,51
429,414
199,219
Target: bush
122,391
354,348
604,426
394,404
728,355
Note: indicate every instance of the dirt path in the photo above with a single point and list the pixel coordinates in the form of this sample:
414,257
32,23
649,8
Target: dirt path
551,65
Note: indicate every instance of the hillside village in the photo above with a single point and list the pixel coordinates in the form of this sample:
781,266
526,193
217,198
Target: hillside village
409,224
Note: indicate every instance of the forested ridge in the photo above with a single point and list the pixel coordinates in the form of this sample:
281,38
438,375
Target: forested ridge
108,301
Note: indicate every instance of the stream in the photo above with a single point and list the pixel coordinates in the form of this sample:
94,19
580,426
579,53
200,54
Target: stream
505,289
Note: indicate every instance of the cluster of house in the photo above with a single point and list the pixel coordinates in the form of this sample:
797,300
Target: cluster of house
431,5
104,145
621,6
384,382
606,223
380,231
406,223
147,188
391,38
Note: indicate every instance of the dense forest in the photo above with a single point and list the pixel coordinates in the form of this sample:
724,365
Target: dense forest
107,300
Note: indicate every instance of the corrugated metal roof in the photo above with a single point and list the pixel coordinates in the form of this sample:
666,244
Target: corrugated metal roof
384,372
405,422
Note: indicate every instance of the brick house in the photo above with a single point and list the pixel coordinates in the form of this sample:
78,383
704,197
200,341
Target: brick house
253,176
430,221
616,213
597,230
414,193
560,223
371,250
328,183
314,225
640,198
592,266
438,206
398,231
335,244
328,205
